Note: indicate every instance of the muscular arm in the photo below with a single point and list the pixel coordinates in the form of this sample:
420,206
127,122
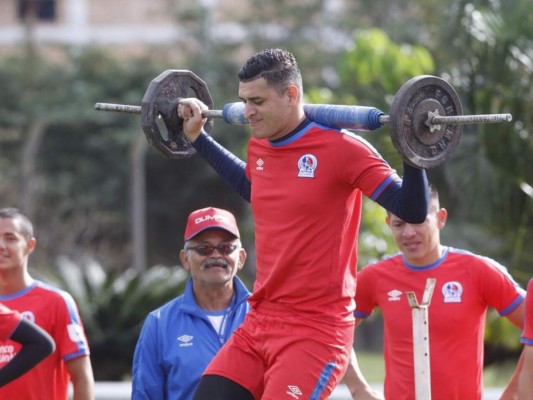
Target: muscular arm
81,375
525,380
516,317
516,383
408,199
511,390
37,344
356,382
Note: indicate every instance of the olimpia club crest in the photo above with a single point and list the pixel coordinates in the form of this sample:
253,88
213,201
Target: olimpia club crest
452,292
307,165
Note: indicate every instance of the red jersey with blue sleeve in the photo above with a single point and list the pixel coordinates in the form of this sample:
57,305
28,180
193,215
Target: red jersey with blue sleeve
466,285
9,320
55,311
306,196
527,334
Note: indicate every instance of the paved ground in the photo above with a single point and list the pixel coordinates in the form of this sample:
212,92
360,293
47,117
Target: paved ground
341,393
122,391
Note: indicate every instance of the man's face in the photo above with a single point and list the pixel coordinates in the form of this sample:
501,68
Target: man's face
217,268
271,115
14,247
420,243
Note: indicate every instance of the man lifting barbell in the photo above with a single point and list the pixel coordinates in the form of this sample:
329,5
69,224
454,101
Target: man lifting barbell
308,181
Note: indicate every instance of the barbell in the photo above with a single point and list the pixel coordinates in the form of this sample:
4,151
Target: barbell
425,119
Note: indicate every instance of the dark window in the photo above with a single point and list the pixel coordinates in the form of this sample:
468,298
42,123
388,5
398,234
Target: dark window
40,9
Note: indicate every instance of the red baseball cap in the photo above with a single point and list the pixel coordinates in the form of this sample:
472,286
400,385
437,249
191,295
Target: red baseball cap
210,218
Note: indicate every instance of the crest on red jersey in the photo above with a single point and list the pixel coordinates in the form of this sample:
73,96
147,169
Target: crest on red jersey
452,292
306,166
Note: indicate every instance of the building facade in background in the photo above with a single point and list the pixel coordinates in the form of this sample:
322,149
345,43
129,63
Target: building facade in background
126,24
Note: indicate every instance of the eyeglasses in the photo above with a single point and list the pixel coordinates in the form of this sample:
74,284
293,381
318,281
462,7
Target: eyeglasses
208,249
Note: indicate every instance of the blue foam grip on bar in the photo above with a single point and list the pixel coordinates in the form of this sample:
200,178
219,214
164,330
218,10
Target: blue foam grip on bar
233,113
357,118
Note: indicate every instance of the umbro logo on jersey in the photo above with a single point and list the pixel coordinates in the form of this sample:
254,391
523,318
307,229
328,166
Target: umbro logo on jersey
185,340
394,295
259,164
294,391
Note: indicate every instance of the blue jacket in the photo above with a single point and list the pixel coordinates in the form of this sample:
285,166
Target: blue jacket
176,344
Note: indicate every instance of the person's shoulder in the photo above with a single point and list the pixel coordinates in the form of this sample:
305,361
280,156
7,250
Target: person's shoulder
476,262
333,134
52,292
170,307
454,251
386,262
241,289
471,257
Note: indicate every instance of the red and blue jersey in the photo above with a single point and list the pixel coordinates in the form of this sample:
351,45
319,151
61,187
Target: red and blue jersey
466,285
306,196
527,334
55,311
9,320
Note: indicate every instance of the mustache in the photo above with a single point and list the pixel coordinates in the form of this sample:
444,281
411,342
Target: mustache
219,261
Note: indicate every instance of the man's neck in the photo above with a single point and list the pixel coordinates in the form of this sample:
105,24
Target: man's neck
429,259
214,299
13,281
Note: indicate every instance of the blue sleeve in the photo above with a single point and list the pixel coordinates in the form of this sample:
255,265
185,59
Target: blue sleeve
148,379
407,199
361,315
226,164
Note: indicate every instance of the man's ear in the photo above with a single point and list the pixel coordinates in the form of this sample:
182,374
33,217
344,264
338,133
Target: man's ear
293,93
184,260
31,245
442,216
242,258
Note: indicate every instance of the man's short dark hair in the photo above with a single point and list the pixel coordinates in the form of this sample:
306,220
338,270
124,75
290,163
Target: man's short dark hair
277,66
13,213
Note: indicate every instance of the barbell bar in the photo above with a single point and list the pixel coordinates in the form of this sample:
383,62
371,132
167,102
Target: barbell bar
425,116
336,116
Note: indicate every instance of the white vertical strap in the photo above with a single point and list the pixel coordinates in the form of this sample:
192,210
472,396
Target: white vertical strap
421,341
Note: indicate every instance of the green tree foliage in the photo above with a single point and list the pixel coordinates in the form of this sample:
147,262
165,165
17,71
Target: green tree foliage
372,69
113,305
484,49
69,166
375,64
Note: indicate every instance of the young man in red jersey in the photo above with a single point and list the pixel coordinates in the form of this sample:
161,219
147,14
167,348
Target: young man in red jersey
52,309
466,286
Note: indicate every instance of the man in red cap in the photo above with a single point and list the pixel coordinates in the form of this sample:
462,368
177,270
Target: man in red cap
179,339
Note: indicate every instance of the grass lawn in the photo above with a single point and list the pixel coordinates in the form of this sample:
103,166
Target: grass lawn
374,371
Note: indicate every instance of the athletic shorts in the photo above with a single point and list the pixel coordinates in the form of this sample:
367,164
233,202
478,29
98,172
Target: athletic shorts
279,356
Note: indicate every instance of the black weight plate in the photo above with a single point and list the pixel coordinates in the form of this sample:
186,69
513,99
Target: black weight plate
420,145
159,111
